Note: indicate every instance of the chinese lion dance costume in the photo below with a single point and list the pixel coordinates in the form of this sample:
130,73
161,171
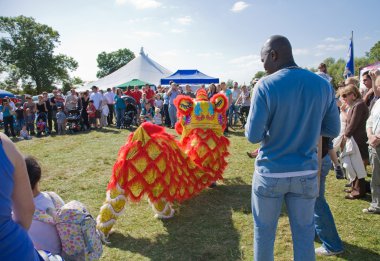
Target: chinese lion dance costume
154,164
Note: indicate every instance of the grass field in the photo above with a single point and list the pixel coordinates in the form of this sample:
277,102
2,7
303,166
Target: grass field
216,225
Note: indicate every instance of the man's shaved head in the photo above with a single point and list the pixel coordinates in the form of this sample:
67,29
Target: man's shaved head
276,53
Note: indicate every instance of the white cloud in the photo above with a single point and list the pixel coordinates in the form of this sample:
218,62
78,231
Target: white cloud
140,4
246,61
332,47
186,20
239,6
333,39
147,34
301,51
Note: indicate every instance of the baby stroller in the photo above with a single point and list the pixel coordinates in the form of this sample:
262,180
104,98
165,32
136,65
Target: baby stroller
41,123
74,121
130,115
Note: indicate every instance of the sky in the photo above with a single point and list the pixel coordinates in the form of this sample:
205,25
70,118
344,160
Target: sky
221,38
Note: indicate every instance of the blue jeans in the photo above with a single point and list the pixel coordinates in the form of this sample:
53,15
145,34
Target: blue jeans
268,195
323,218
20,124
232,112
172,114
120,117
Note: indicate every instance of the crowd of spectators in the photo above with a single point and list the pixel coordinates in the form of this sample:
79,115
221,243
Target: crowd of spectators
97,108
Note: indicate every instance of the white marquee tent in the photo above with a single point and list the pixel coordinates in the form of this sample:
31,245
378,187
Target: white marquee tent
142,68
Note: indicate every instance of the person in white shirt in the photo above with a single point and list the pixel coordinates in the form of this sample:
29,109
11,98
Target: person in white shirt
322,72
11,103
244,100
233,108
110,97
71,100
157,119
43,231
373,133
97,98
158,102
105,113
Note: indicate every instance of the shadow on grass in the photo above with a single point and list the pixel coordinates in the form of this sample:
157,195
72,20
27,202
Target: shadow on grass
237,131
202,229
107,130
352,252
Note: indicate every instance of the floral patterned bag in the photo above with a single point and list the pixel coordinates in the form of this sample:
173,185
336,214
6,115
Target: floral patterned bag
78,234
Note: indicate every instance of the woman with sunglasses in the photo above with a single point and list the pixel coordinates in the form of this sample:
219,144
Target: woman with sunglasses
356,127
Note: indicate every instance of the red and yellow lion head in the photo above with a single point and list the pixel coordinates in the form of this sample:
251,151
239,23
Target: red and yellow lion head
201,113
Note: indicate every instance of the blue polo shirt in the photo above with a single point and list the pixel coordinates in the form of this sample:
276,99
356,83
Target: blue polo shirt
290,110
173,95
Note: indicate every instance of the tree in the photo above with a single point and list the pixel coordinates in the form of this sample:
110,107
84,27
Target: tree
374,53
29,46
259,74
335,69
110,62
11,79
68,85
229,83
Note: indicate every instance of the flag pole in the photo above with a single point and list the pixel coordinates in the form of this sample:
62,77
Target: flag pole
349,70
352,51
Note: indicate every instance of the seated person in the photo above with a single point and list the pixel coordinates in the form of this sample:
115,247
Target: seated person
15,196
41,127
24,134
157,117
147,113
43,231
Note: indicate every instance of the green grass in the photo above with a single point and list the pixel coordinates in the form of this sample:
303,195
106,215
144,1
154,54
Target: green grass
216,225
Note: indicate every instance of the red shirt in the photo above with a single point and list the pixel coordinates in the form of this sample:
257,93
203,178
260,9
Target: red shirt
150,96
91,111
136,95
128,92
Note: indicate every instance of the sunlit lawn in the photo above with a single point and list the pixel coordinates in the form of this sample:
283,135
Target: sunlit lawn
216,225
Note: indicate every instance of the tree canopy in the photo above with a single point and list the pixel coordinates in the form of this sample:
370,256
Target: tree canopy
27,53
110,62
374,53
259,74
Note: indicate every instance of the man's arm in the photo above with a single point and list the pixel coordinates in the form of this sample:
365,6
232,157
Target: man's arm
330,122
256,125
367,95
229,98
170,91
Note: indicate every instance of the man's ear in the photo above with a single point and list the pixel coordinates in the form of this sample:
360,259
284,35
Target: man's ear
273,54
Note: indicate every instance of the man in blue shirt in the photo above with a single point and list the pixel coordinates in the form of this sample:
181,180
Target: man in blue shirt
290,109
172,94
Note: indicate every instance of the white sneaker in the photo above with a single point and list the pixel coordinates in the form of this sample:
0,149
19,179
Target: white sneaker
371,210
321,251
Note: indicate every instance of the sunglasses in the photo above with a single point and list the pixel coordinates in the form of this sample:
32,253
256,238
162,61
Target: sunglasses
346,94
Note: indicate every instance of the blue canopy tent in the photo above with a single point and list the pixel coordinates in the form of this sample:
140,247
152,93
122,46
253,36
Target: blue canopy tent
189,77
3,94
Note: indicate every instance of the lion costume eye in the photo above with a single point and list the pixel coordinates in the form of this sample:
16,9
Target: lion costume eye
184,104
220,102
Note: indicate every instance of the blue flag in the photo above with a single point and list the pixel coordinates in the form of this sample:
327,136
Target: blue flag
349,70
